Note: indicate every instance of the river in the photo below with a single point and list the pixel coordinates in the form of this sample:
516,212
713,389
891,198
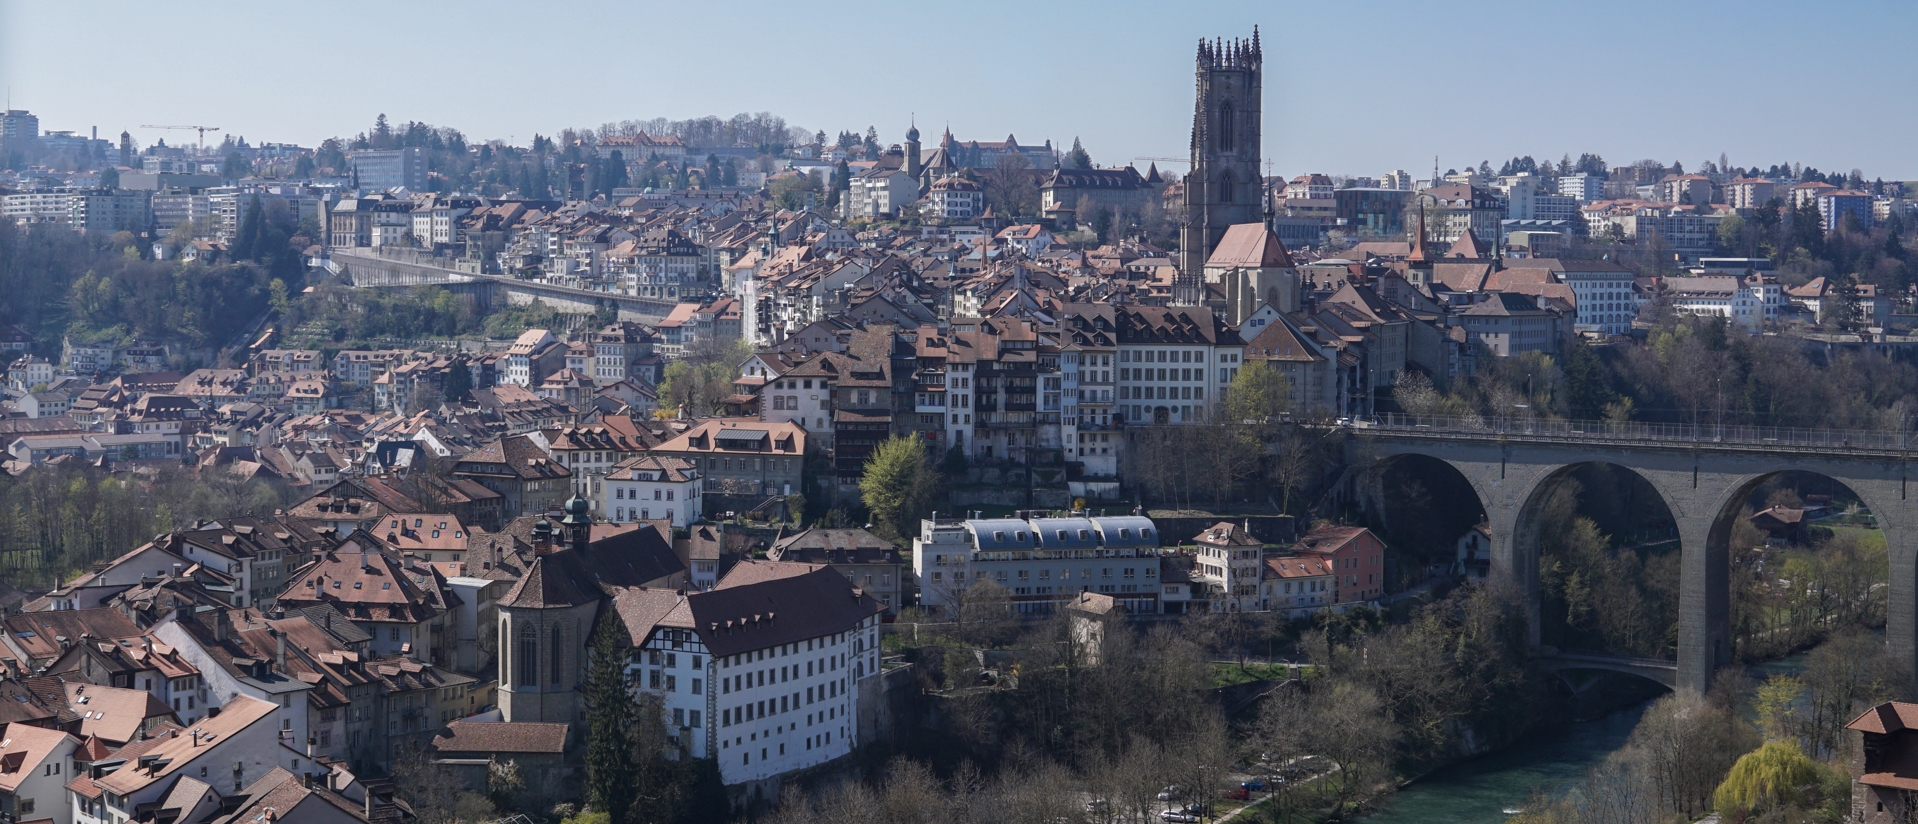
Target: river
1551,759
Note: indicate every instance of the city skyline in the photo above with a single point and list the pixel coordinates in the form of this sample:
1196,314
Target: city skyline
1118,79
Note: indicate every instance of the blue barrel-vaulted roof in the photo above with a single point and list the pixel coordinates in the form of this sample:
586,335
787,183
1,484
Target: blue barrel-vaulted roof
1127,531
1000,533
1066,533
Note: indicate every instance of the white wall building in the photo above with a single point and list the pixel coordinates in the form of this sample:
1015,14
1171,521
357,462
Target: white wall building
35,766
1043,563
652,486
760,673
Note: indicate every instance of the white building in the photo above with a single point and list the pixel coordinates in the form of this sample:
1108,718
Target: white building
521,357
1602,291
763,673
1230,563
1296,582
35,766
652,486
1583,187
1042,563
1746,302
1173,363
954,198
880,192
224,753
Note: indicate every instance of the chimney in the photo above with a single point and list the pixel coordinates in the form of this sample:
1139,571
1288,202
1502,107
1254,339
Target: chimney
279,649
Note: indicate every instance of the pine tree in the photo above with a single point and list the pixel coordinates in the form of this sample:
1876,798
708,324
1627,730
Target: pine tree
1077,158
612,764
246,242
459,381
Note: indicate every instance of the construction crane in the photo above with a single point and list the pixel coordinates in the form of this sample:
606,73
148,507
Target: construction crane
201,129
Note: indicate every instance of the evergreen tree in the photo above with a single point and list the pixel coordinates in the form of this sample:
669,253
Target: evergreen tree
1077,158
459,381
235,167
612,766
246,241
109,178
613,173
1585,389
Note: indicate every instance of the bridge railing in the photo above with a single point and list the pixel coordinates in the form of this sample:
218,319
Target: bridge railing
1763,437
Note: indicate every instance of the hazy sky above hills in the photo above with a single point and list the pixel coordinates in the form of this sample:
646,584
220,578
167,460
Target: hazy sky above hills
1350,87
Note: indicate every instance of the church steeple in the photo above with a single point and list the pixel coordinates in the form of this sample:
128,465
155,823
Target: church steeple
1224,187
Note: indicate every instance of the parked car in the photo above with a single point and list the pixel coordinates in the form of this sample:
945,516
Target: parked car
1098,805
1169,793
1178,817
1254,785
1239,793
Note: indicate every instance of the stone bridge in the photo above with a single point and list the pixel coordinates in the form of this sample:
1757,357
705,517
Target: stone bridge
1651,669
1703,473
367,269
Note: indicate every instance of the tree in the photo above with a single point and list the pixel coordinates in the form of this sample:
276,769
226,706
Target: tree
612,767
459,381
246,241
1077,158
109,178
1009,187
612,173
235,167
899,486
1258,394
1778,774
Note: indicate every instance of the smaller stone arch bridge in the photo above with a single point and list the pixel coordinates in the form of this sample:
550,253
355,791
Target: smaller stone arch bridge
1651,669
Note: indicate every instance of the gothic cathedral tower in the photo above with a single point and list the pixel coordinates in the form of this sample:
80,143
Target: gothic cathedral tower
1224,186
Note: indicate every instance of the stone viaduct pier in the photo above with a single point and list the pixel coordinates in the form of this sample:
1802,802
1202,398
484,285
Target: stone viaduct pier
1703,473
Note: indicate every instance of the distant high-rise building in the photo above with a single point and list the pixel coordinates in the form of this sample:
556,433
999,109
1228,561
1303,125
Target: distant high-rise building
383,170
17,128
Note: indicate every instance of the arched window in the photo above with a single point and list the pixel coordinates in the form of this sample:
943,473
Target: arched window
1226,122
559,659
1225,188
528,656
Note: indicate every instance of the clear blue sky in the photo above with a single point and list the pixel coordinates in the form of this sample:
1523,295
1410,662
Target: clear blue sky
1351,87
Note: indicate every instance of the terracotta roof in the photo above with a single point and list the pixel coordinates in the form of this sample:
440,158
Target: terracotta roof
1329,538
775,604
1227,533
1293,566
501,736
179,750
23,748
1249,245
1886,718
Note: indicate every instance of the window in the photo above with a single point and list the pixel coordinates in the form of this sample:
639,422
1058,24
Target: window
528,656
1225,136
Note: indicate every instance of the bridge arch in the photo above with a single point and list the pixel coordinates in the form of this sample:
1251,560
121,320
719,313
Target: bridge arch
1528,540
1879,497
1421,498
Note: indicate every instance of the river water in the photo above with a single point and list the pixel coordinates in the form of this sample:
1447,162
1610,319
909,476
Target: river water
1551,759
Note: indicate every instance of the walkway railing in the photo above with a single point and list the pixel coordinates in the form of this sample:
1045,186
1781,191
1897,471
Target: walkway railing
1762,438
